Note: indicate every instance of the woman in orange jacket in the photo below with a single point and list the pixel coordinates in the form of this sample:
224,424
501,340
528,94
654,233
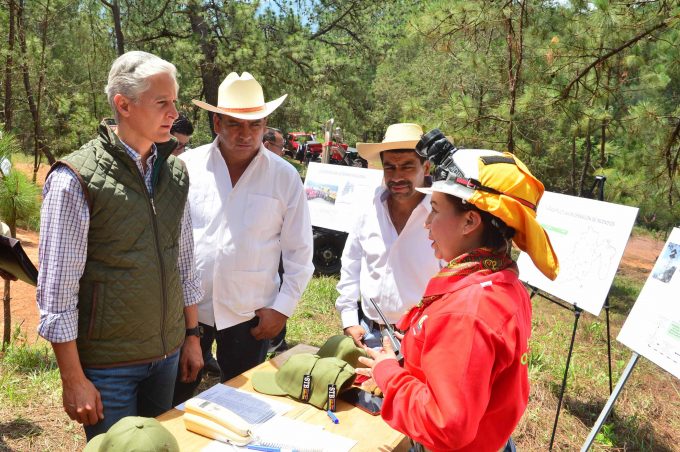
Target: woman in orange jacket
463,384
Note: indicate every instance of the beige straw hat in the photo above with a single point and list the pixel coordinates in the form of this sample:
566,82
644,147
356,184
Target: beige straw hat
397,136
241,97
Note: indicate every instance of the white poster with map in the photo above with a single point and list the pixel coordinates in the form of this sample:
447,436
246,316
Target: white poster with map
652,328
588,237
335,194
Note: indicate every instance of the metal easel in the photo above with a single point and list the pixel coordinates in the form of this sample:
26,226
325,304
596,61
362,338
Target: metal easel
610,402
577,314
599,185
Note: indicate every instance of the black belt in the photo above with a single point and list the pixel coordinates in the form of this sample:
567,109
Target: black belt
377,325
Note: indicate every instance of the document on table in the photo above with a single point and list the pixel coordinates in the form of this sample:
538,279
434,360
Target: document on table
281,433
253,408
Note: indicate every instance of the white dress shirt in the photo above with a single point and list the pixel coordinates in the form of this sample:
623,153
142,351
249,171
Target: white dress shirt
392,269
240,233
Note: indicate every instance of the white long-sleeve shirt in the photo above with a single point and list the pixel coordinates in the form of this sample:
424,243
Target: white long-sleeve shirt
392,269
240,233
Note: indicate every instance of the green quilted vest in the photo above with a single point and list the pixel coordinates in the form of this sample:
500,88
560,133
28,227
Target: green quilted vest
130,303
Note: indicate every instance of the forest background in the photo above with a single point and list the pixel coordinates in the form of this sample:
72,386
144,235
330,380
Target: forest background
575,88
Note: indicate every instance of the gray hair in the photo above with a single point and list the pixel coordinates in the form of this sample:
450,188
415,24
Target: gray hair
129,75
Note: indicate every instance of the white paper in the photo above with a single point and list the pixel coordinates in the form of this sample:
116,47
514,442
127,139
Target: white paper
336,193
253,408
289,434
589,238
652,328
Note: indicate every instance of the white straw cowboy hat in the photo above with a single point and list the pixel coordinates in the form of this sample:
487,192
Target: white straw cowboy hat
242,98
397,136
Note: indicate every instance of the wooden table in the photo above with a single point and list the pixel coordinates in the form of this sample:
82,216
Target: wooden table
371,432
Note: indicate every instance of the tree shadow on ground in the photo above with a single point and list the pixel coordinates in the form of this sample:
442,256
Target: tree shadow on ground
622,295
629,433
16,429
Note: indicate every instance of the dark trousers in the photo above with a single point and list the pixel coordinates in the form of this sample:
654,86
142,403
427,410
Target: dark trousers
238,350
185,391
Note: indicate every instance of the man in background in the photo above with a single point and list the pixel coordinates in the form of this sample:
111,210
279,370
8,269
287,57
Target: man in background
387,257
182,129
273,140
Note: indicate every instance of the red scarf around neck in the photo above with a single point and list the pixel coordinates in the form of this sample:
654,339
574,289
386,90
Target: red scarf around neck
477,260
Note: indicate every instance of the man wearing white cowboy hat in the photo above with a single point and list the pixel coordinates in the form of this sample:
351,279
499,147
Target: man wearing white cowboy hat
387,256
248,209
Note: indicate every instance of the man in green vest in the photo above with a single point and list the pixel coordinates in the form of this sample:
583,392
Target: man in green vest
117,287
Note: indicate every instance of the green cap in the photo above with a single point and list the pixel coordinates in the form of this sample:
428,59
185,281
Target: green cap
342,347
134,434
289,379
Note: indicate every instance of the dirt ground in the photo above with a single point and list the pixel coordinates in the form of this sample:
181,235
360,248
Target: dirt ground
638,260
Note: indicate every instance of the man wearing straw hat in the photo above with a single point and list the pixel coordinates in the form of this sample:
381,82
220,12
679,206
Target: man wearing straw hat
387,256
250,209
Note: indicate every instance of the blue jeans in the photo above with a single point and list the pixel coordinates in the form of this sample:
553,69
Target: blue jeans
135,390
417,447
373,337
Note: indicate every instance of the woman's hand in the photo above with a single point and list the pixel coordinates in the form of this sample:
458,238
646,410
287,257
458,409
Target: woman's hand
376,356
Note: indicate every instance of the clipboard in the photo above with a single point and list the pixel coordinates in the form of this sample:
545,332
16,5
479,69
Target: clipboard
14,260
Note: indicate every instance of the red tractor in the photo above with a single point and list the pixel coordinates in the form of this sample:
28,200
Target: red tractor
335,151
299,143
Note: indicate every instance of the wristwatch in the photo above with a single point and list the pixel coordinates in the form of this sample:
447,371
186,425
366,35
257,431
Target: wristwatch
196,331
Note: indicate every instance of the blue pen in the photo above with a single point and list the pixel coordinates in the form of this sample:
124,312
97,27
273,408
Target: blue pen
333,417
263,448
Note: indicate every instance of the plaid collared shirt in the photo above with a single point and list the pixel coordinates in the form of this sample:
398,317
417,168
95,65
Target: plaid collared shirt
64,224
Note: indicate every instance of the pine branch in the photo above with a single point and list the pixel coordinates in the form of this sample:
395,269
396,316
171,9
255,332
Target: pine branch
330,26
159,15
567,89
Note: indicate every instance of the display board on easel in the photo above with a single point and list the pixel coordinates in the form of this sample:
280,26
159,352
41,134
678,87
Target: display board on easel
652,329
589,238
336,193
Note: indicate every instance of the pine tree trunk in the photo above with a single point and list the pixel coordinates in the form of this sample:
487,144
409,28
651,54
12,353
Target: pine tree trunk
7,315
573,164
603,133
515,42
120,39
586,159
41,82
38,139
7,312
9,113
209,70
114,6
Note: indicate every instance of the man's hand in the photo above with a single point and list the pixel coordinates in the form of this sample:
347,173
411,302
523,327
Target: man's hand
82,401
190,359
357,333
7,275
271,324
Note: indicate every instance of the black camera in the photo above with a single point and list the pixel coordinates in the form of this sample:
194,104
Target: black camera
435,147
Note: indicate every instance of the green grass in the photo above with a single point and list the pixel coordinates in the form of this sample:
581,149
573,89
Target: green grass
645,416
654,234
28,371
301,169
21,157
315,318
